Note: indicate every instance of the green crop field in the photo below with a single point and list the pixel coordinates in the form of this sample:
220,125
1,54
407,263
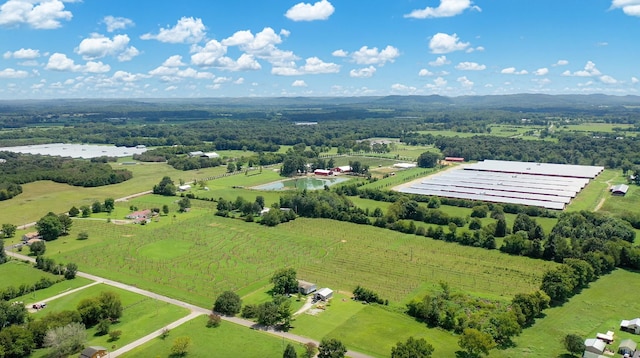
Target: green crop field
140,316
599,308
15,273
228,340
200,255
594,127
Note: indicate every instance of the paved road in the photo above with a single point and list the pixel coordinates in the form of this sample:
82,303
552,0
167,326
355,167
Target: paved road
133,196
63,294
193,308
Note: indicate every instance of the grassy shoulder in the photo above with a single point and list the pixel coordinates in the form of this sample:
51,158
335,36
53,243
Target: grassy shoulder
15,273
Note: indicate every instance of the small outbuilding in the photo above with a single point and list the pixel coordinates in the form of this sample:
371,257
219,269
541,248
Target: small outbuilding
454,159
594,345
620,189
606,337
627,346
31,236
323,172
343,169
184,187
197,153
94,352
324,294
211,155
593,355
631,326
405,165
305,288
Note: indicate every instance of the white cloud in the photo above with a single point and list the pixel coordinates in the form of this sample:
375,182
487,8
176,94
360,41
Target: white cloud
634,80
262,45
398,87
171,88
312,66
447,8
629,7
222,80
45,14
173,61
541,71
60,62
340,53
440,61
22,54
321,10
123,76
371,56
561,63
117,23
298,83
437,83
445,43
513,71
465,82
424,72
470,66
608,80
239,81
588,71
99,46
11,73
541,81
602,44
363,72
187,30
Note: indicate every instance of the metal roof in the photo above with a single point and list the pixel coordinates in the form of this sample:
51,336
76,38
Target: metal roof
549,169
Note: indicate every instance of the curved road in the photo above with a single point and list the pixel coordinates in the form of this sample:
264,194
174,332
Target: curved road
195,311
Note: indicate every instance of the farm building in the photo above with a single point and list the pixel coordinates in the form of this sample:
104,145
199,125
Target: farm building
30,236
140,216
342,169
94,352
404,165
454,159
197,153
264,211
324,294
620,189
627,346
305,287
31,241
551,186
323,172
594,345
632,326
184,187
593,355
606,337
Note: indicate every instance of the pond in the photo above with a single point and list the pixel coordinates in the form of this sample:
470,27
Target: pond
309,183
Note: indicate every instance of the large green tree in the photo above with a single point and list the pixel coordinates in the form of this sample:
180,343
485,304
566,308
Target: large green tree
66,340
331,348
166,187
228,303
49,227
428,160
8,230
412,348
476,342
290,352
284,281
16,342
574,344
3,255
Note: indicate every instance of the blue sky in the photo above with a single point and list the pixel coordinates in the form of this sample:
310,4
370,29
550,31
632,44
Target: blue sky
196,48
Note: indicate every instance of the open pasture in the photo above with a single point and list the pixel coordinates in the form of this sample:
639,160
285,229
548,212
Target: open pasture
595,192
599,308
58,288
228,340
15,273
218,254
595,127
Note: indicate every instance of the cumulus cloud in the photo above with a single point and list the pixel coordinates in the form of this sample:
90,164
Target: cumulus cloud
437,84
447,8
445,43
634,80
186,30
117,23
171,88
22,54
173,61
561,63
321,10
608,80
312,66
363,72
588,71
372,56
262,45
513,71
213,54
340,53
470,66
60,62
45,14
541,71
424,72
298,83
99,46
440,61
629,7
398,87
11,73
465,82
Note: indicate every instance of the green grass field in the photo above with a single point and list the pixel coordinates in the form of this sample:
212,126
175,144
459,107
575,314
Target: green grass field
597,191
228,340
599,308
594,127
58,288
15,273
140,316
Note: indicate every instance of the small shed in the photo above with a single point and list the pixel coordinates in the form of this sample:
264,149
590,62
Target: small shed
594,345
627,346
184,187
305,287
211,155
631,326
405,165
323,172
264,211
606,337
593,355
620,189
94,352
30,236
197,153
343,169
324,294
454,159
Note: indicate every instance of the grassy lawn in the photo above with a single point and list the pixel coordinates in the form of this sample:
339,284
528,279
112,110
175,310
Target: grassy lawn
58,288
228,340
15,273
141,315
598,308
597,190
